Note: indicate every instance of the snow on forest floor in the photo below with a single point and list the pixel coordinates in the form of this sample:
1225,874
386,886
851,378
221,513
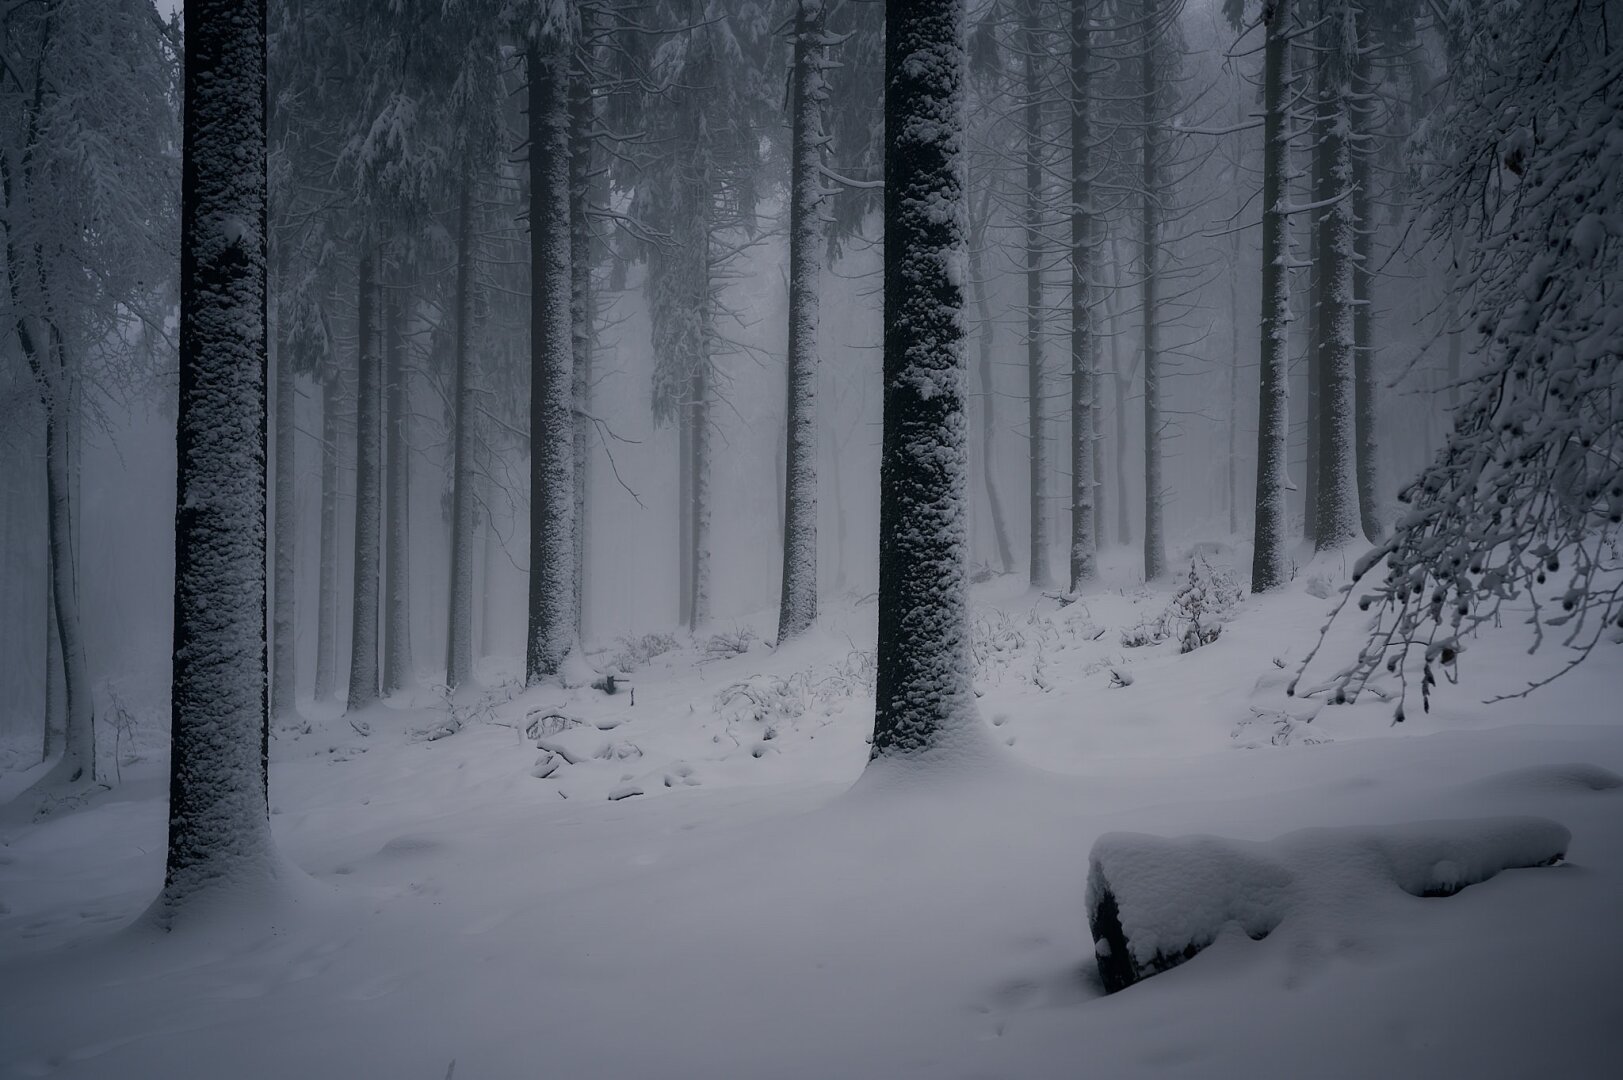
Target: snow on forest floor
698,888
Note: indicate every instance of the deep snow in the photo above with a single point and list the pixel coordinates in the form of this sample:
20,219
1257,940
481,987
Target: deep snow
763,909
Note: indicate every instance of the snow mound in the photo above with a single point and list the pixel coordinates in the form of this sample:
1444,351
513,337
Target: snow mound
1549,779
1155,902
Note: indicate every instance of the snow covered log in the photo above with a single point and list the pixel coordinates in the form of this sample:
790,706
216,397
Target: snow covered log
1155,902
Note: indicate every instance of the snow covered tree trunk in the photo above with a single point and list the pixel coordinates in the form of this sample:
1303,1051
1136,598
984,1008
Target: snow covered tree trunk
582,304
924,697
797,606
684,512
326,683
1037,447
284,637
1155,559
363,635
219,825
984,340
552,441
47,360
1084,377
459,628
1360,113
1336,522
487,583
1233,456
699,613
1268,569
397,663
79,736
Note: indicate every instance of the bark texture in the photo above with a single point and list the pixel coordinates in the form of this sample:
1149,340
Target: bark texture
552,440
363,633
924,698
1268,557
219,828
797,606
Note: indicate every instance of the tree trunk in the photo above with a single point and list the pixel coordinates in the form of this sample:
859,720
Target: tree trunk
284,638
397,665
552,442
459,627
1360,114
1037,457
699,612
1337,520
984,339
1084,373
327,574
1155,558
1268,556
79,736
924,697
582,303
363,634
219,825
684,511
797,606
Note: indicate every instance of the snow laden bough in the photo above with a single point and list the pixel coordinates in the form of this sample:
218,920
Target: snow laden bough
1155,902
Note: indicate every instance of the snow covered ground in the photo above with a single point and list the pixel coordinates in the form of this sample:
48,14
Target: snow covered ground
702,886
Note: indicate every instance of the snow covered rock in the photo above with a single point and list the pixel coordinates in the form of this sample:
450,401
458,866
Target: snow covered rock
1155,902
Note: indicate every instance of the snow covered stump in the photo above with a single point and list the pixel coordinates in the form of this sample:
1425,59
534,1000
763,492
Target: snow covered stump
1155,902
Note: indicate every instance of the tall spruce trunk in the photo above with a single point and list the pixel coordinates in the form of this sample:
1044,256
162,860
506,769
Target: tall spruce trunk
459,627
797,606
684,511
582,301
397,665
552,442
1336,522
1268,570
79,734
363,634
326,681
1360,114
1037,449
1084,374
924,697
986,332
284,672
1155,559
699,606
219,824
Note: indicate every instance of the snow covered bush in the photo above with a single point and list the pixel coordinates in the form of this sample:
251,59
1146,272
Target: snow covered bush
636,652
1524,178
1195,615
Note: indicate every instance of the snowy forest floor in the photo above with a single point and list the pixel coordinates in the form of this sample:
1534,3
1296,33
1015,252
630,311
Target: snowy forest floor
741,909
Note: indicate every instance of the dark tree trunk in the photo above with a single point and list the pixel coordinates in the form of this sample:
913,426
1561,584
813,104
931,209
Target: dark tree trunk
582,301
984,339
924,698
459,627
1363,278
1084,365
1268,558
397,663
552,438
797,606
363,633
284,673
327,573
219,826
1037,446
1155,558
